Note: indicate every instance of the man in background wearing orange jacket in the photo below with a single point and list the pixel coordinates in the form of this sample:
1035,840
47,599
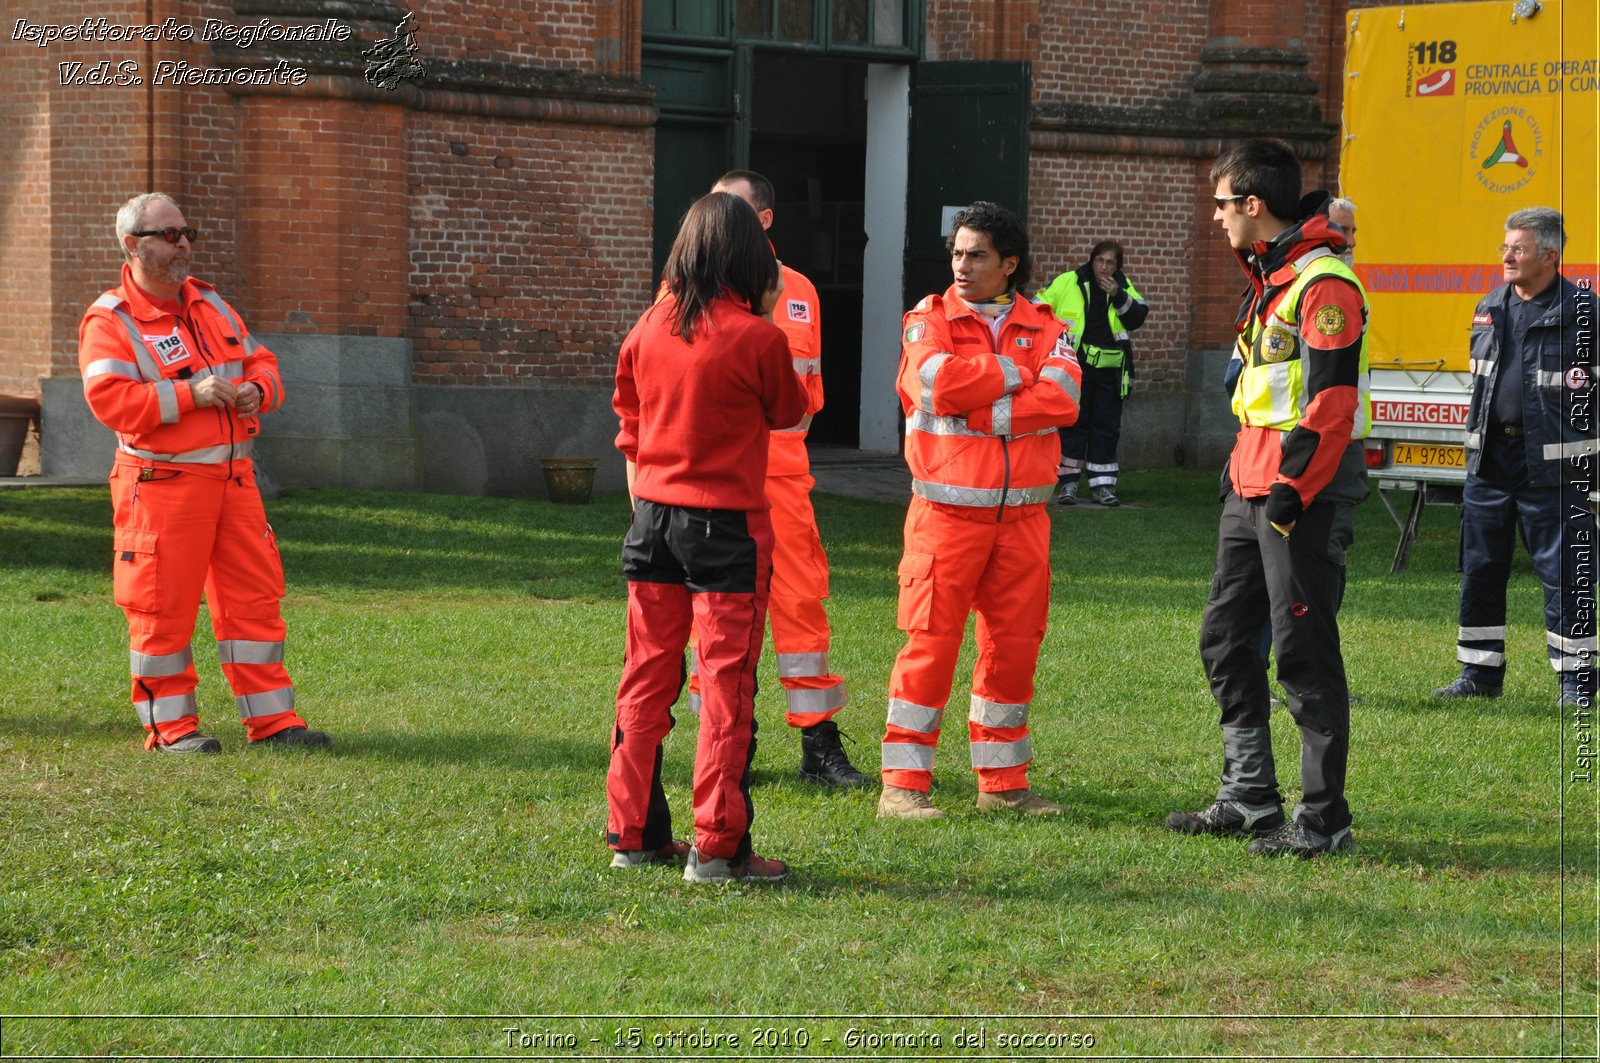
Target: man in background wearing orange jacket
800,634
986,378
169,367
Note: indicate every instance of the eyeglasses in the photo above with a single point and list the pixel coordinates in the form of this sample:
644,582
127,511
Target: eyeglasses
1223,201
1516,250
171,235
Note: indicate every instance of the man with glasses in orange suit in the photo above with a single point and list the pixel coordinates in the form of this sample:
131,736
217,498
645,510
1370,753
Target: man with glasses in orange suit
170,368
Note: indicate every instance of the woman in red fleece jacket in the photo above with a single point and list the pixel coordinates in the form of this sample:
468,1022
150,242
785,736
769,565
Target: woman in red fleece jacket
702,379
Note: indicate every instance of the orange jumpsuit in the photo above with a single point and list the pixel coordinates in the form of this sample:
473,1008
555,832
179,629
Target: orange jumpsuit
800,634
187,514
981,418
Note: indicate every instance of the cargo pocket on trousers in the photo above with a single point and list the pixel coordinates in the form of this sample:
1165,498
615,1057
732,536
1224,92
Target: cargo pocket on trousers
135,582
275,564
915,611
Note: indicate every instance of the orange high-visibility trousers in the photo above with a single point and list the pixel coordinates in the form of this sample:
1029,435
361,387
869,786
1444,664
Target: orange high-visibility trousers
177,532
800,633
957,562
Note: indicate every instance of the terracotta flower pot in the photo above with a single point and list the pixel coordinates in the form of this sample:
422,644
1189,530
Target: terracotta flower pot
569,481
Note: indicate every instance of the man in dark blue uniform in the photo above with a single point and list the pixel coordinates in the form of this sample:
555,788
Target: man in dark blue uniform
1531,457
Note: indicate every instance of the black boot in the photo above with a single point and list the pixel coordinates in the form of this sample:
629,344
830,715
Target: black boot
823,760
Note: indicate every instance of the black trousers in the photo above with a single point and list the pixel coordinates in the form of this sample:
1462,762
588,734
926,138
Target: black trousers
1294,583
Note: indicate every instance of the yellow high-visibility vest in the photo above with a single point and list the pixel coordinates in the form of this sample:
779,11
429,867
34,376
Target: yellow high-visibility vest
1271,392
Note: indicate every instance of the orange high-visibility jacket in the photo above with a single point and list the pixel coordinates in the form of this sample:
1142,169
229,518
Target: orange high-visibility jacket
981,416
799,316
137,358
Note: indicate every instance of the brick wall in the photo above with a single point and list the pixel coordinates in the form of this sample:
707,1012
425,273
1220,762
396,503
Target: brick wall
1143,202
27,232
530,249
1120,53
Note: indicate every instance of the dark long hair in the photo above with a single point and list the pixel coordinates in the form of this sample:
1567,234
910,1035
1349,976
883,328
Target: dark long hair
720,250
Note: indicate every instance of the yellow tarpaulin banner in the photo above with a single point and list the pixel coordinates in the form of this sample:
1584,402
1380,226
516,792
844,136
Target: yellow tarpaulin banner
1455,115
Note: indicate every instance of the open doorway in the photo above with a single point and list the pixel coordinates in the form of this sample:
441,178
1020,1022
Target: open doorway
808,135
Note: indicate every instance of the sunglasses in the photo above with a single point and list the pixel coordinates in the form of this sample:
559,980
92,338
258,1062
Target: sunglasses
1222,201
172,235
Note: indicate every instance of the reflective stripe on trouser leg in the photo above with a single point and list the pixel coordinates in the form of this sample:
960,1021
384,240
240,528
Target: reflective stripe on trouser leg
912,735
1559,529
652,675
1488,538
800,631
1570,655
244,587
1100,417
1102,475
1012,603
171,709
165,542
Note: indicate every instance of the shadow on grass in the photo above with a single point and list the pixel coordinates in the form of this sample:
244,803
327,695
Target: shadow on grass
511,750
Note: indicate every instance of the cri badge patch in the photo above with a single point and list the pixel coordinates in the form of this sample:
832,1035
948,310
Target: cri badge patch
1276,344
1330,320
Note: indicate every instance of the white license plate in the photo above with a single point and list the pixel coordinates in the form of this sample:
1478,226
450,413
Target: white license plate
1432,455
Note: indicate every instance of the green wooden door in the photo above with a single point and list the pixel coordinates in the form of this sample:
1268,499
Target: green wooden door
969,141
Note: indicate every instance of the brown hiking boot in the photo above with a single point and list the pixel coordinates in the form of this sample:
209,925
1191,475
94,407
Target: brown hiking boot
1023,802
896,803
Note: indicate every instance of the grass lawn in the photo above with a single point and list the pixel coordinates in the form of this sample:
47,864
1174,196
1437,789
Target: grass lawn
440,878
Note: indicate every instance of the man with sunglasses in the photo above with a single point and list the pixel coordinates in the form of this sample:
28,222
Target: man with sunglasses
1295,468
170,367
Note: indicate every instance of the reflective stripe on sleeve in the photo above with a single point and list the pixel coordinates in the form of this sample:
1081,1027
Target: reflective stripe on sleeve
923,719
1001,416
907,756
246,651
227,370
807,366
986,713
953,495
113,366
1475,440
1582,448
926,374
168,709
167,399
267,703
1062,379
941,425
793,664
1012,375
1002,754
154,666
